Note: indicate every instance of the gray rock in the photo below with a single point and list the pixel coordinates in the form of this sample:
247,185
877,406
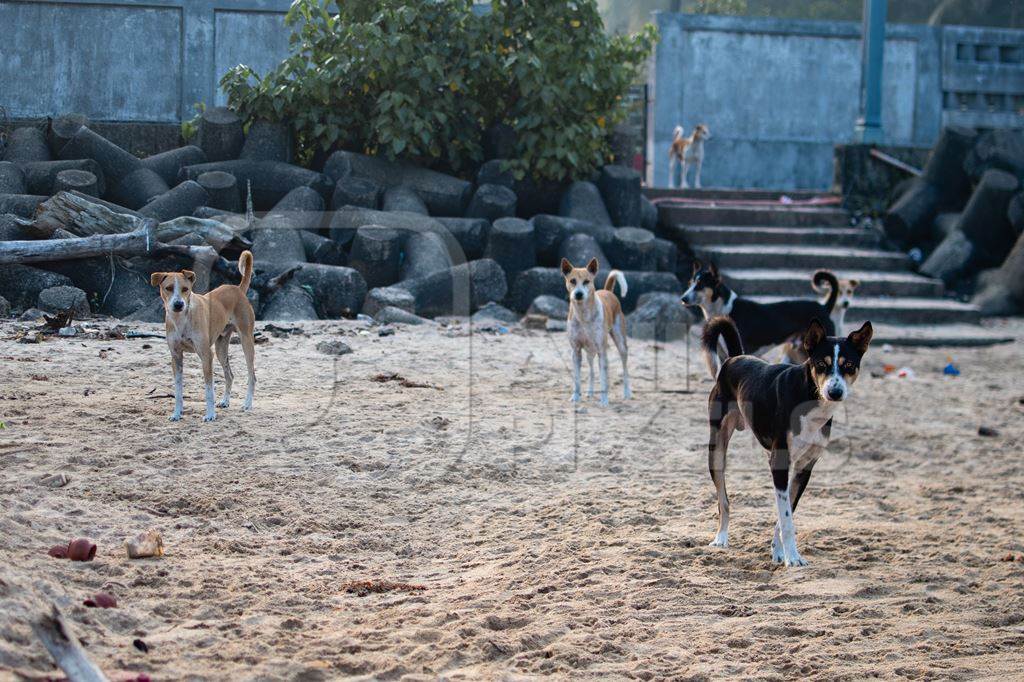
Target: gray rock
115,162
77,181
377,254
5,308
277,238
494,172
322,250
633,249
41,176
222,191
470,233
533,283
666,255
220,134
582,200
21,205
511,245
290,303
337,291
333,347
271,181
27,144
388,297
620,189
11,230
555,325
62,129
12,179
183,200
360,192
550,230
22,284
444,195
554,307
459,290
424,253
138,188
168,164
268,141
578,249
59,299
659,317
347,220
493,311
392,315
648,215
403,198
492,202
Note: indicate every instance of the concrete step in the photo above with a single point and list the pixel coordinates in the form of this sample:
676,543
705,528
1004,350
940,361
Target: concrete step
761,216
805,257
903,310
936,335
730,194
797,283
697,235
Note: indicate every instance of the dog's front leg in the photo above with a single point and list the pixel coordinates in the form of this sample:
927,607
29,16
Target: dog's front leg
211,412
671,171
602,364
577,369
178,367
590,361
696,176
787,531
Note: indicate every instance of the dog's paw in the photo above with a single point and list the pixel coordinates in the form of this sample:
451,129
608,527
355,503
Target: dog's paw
209,417
793,558
176,417
627,394
604,401
777,556
575,398
247,407
223,403
719,541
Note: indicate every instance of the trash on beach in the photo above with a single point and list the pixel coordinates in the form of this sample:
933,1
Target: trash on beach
905,373
81,549
101,600
145,545
58,551
950,369
988,431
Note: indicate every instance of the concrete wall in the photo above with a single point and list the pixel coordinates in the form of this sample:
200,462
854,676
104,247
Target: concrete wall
131,60
779,94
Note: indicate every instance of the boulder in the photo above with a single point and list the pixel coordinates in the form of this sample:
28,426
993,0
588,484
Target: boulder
78,181
659,317
276,239
360,192
944,169
220,134
120,289
666,255
337,291
348,219
168,164
554,307
10,230
496,172
458,290
620,190
633,248
61,298
511,244
582,200
444,195
984,220
12,179
41,176
377,254
470,233
22,284
424,253
115,162
550,230
290,303
388,297
268,141
393,315
1015,213
1003,292
908,222
183,200
951,260
138,188
648,215
578,249
221,190
1000,149
5,308
492,202
320,249
271,181
403,198
21,205
493,312
62,129
27,144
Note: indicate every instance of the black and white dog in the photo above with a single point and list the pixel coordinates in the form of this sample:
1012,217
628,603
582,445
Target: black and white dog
762,326
789,409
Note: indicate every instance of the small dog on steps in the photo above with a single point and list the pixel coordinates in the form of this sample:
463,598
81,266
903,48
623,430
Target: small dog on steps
594,315
199,322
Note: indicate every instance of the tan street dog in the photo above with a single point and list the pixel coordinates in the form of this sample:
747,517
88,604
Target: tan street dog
594,314
686,151
201,322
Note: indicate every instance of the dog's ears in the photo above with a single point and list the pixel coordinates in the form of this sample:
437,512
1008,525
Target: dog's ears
189,275
862,337
697,265
713,269
566,266
592,266
854,283
814,335
156,278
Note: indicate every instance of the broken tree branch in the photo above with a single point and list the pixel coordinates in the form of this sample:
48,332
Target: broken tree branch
63,646
136,243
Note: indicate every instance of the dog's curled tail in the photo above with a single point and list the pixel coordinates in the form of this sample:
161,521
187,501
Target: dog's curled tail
613,277
824,278
245,267
677,132
724,328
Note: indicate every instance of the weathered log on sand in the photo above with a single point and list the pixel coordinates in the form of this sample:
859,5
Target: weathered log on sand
136,243
63,646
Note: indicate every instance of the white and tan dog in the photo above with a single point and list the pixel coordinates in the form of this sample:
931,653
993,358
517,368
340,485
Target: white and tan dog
201,322
687,151
594,315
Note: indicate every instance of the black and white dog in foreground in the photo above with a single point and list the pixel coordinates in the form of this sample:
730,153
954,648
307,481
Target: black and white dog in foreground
789,410
761,326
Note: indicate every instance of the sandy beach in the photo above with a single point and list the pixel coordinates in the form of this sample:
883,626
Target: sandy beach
518,536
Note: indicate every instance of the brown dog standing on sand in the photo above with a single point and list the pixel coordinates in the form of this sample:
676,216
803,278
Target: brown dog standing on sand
594,315
200,322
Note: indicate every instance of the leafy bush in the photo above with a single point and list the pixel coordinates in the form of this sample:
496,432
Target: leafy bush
423,80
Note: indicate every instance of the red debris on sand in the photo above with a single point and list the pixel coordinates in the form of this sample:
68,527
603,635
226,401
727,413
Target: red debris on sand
81,549
59,552
102,600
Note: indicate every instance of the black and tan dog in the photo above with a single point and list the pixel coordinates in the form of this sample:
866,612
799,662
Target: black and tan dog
761,326
789,410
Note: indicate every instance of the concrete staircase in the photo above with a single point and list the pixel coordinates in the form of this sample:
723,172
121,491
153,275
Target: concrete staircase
768,249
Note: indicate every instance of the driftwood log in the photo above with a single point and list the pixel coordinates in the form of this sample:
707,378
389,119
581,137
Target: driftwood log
52,629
